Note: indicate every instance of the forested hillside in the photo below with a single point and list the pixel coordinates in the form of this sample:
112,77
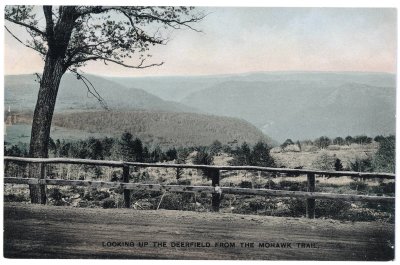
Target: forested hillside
299,105
291,109
164,128
21,94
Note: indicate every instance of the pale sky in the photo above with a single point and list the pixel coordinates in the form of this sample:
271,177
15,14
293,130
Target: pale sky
237,40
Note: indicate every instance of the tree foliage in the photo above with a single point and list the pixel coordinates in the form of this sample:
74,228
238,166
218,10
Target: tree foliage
286,143
258,155
100,33
322,142
385,157
70,36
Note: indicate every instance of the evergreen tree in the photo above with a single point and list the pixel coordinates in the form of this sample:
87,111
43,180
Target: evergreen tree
322,142
338,165
96,149
385,158
202,157
379,138
146,154
362,139
299,145
338,141
362,165
349,140
156,155
242,155
137,147
126,147
216,147
286,143
171,154
260,156
108,144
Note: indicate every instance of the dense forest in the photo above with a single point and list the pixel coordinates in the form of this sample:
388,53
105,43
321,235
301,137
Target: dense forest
164,128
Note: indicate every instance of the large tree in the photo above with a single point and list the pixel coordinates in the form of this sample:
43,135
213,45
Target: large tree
71,36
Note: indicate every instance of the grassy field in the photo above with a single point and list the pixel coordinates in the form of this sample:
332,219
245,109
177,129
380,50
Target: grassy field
309,154
21,133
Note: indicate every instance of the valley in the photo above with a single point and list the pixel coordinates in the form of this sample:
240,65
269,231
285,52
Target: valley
296,105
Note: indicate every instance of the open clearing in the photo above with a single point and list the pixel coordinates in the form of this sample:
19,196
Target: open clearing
38,231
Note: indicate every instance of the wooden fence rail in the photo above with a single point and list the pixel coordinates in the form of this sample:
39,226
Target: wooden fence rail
215,189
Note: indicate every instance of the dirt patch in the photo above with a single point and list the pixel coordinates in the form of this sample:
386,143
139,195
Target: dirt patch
37,231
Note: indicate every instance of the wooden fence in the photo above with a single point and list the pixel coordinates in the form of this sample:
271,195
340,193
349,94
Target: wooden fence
214,172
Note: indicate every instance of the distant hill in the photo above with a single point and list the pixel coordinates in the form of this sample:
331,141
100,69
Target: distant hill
173,88
176,88
297,105
306,109
164,128
21,94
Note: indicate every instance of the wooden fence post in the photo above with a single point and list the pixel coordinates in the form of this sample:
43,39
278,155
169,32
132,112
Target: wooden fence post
127,193
310,206
216,196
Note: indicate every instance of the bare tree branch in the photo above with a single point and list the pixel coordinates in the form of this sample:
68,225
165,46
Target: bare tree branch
25,25
174,23
38,78
90,88
139,66
23,43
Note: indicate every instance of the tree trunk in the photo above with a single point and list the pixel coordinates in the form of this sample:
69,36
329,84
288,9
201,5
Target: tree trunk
42,117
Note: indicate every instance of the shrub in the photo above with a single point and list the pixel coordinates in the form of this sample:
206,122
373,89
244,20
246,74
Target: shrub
115,177
385,157
55,194
96,195
385,207
331,208
292,185
270,184
256,205
143,194
324,162
178,201
108,203
384,189
246,184
362,165
292,148
15,198
184,182
361,216
296,207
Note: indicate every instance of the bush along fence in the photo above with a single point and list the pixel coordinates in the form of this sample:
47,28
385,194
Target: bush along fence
40,181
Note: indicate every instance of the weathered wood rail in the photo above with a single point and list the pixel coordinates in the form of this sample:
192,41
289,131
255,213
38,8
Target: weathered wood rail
310,196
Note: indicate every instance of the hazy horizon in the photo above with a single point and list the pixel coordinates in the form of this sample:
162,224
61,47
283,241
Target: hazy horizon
226,74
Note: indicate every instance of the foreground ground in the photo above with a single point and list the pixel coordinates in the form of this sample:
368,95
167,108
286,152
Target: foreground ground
37,231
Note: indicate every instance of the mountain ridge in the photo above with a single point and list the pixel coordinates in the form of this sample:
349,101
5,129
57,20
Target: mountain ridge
298,105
